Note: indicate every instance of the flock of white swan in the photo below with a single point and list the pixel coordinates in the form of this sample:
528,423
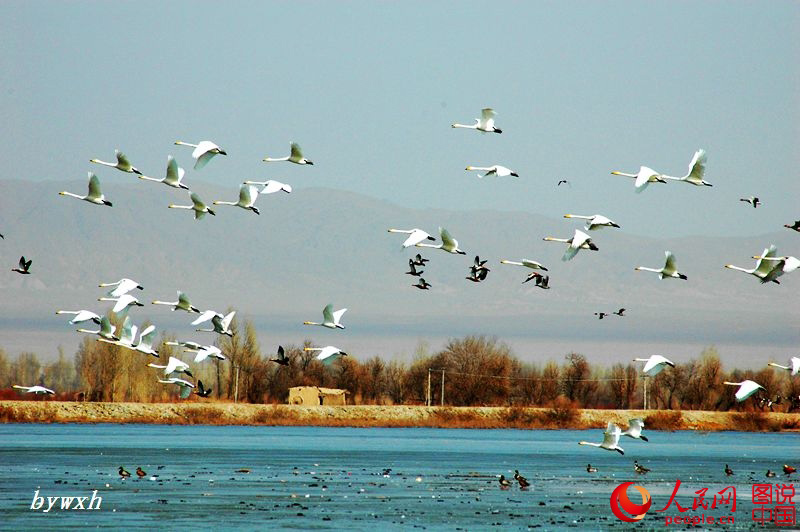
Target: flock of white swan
768,268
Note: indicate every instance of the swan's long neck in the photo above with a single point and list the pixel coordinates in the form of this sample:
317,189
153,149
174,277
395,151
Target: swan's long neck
642,268
171,206
589,443
624,174
778,365
311,323
73,195
578,216
68,312
87,331
101,285
165,303
262,183
552,239
482,168
407,231
732,383
151,178
511,262
104,163
732,267
107,299
180,143
473,126
275,159
423,245
234,203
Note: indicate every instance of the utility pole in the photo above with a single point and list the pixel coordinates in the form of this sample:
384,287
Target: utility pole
645,392
428,397
442,387
236,392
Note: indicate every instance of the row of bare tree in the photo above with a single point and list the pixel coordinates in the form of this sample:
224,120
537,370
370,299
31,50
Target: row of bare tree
477,371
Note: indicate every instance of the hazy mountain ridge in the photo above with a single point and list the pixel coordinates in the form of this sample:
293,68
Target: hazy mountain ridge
317,245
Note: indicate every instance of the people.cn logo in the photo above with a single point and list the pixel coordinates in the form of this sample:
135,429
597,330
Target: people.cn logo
620,501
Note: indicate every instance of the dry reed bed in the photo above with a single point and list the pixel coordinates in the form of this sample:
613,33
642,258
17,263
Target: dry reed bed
557,417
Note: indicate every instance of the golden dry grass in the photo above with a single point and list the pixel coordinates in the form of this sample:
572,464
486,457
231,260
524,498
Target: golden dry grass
562,415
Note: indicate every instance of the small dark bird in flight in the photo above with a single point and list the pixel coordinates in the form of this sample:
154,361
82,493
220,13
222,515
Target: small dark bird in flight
752,200
562,182
282,359
413,270
795,226
422,284
24,267
620,312
420,261
201,390
600,315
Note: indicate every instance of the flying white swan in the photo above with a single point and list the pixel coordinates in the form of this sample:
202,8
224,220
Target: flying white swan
123,286
417,236
669,269
81,316
782,265
794,365
184,385
126,337
248,194
327,354
38,390
644,177
182,303
174,365
484,124
532,264
746,389
579,240
122,163
270,186
595,221
203,152
762,267
610,439
174,175
146,338
330,319
122,302
654,365
634,429
94,196
697,169
202,352
221,324
494,170
295,157
106,330
200,209
449,244
194,346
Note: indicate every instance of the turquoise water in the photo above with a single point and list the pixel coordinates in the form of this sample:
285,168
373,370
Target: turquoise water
308,478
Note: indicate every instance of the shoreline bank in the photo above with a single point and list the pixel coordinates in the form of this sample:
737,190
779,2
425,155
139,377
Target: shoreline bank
386,416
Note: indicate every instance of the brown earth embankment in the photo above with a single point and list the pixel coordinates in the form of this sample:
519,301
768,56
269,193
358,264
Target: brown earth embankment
192,413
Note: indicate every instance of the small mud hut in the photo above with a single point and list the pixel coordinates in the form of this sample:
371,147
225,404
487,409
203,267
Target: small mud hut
315,396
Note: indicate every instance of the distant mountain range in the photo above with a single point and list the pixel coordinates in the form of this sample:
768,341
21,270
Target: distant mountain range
316,246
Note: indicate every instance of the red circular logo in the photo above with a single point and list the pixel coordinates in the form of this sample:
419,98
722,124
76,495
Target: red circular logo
620,500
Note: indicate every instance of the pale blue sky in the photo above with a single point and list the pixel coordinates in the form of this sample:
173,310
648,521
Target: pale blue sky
369,89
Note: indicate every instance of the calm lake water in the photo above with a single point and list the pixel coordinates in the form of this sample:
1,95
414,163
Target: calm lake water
308,478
